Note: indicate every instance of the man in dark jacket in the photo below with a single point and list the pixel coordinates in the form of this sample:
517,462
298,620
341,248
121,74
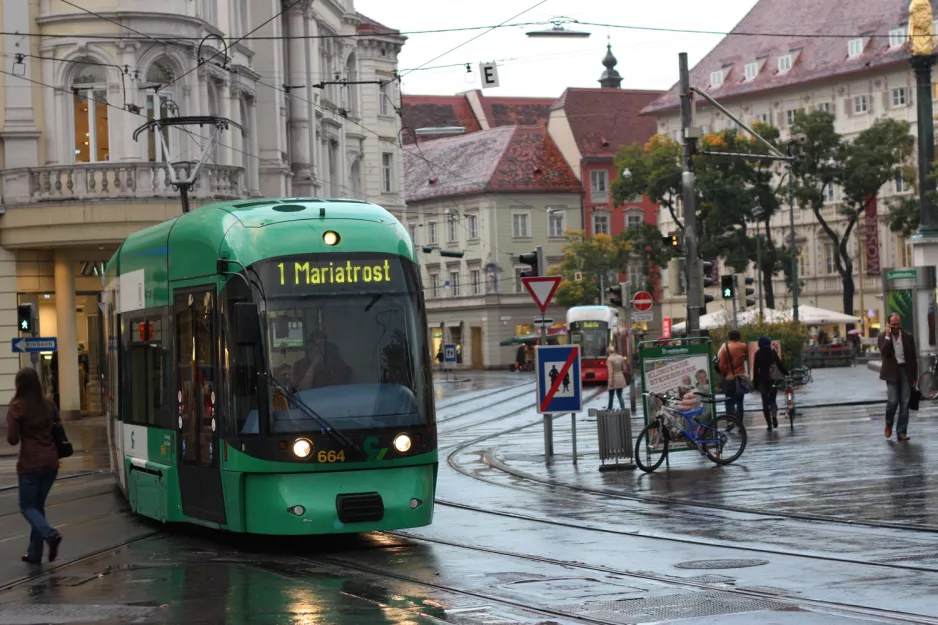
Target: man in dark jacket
900,371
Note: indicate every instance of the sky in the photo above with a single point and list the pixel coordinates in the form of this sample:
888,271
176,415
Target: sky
545,67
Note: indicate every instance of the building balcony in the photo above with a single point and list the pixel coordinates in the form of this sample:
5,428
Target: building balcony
130,181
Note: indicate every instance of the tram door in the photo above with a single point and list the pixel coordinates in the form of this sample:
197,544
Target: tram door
196,382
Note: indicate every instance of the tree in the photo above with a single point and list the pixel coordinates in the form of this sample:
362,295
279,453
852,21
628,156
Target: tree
860,168
727,190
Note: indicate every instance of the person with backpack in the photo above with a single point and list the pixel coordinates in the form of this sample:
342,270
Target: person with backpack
31,418
731,361
766,366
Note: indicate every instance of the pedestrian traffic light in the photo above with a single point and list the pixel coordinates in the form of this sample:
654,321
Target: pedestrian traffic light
615,295
25,320
529,259
727,286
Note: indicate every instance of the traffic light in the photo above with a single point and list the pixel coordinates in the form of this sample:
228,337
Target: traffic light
727,286
529,259
25,320
671,240
676,277
706,280
742,301
615,295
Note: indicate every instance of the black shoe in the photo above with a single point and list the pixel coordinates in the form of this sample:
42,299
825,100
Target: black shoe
54,543
29,560
774,422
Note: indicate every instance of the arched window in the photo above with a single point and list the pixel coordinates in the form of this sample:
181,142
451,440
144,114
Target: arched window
160,105
90,114
350,92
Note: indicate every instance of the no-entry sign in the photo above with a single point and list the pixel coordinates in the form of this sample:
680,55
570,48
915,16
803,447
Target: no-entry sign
642,301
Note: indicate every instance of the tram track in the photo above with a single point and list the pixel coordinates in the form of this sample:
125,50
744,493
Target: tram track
529,388
750,592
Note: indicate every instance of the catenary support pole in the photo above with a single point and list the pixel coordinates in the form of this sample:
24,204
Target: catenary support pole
694,287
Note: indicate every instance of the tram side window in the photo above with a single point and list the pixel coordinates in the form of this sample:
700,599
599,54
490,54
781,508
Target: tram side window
146,372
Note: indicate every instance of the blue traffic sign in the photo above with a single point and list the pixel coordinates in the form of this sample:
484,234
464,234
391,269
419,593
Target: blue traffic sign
559,385
35,344
449,354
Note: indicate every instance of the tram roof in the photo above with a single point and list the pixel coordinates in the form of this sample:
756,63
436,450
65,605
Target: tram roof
591,313
189,245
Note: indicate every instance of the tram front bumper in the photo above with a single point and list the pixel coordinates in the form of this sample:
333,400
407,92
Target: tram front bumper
339,501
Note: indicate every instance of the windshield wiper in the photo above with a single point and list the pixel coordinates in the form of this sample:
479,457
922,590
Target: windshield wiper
327,428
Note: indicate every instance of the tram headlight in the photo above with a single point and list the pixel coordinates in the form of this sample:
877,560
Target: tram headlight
302,448
330,238
402,443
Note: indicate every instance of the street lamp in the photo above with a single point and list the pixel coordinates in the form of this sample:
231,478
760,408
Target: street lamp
799,138
558,31
757,214
626,173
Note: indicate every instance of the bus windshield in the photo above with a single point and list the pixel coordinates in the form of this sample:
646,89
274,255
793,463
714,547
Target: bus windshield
592,337
353,353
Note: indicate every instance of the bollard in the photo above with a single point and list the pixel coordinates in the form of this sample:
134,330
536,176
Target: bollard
573,424
615,438
548,437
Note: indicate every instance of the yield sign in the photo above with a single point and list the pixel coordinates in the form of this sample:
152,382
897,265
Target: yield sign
542,289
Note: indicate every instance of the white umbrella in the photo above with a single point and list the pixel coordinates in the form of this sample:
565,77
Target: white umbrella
814,316
723,317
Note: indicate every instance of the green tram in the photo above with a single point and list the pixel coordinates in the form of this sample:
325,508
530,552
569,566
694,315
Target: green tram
268,370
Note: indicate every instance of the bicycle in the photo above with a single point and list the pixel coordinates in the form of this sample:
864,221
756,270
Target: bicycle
927,381
801,375
788,384
668,426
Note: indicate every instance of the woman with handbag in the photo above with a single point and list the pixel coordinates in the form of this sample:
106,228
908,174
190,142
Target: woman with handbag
765,370
31,421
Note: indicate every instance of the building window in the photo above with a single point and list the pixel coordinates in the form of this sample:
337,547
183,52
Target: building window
784,63
431,226
209,11
860,104
519,285
752,70
412,229
901,184
454,282
387,169
475,279
472,222
600,223
519,225
599,185
451,234
830,193
855,47
90,115
384,99
636,273
634,220
898,96
830,258
555,223
824,106
802,262
790,116
434,285
716,78
896,37
762,118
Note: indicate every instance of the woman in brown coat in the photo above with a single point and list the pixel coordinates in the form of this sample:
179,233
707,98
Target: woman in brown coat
615,367
29,425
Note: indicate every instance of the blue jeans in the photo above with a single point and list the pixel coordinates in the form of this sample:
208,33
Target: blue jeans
618,393
897,396
734,403
34,488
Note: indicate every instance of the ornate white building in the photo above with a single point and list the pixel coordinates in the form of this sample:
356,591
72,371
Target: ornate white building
76,83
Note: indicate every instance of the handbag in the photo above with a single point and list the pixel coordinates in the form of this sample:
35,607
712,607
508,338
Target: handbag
914,398
62,444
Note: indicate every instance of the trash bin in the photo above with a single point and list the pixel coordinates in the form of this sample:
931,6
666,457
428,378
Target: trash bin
615,438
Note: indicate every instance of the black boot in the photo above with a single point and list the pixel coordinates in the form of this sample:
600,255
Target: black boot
775,416
768,421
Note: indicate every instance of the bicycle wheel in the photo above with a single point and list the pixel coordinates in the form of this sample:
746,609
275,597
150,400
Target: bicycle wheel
731,445
926,384
654,438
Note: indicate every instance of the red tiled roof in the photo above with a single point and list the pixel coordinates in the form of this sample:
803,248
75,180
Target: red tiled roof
820,57
421,111
603,120
505,111
370,25
505,159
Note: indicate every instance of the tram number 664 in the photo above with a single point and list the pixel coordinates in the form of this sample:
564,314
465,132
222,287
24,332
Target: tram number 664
331,456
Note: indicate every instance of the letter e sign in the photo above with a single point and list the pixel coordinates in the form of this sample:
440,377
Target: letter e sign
489,73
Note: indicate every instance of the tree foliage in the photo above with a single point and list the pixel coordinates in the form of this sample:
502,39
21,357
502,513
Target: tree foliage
860,168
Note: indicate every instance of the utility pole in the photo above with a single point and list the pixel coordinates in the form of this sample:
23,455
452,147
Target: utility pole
689,136
758,213
735,299
791,222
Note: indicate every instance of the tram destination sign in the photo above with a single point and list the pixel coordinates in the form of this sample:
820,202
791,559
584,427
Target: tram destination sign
321,274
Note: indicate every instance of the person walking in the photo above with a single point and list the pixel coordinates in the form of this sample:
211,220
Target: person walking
732,365
29,424
900,372
615,368
765,368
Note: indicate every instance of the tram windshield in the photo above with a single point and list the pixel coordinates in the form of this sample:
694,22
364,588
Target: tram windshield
592,337
351,352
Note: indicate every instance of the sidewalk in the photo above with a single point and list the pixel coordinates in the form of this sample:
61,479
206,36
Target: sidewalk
89,439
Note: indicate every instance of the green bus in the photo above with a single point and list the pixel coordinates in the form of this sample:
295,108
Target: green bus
268,370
